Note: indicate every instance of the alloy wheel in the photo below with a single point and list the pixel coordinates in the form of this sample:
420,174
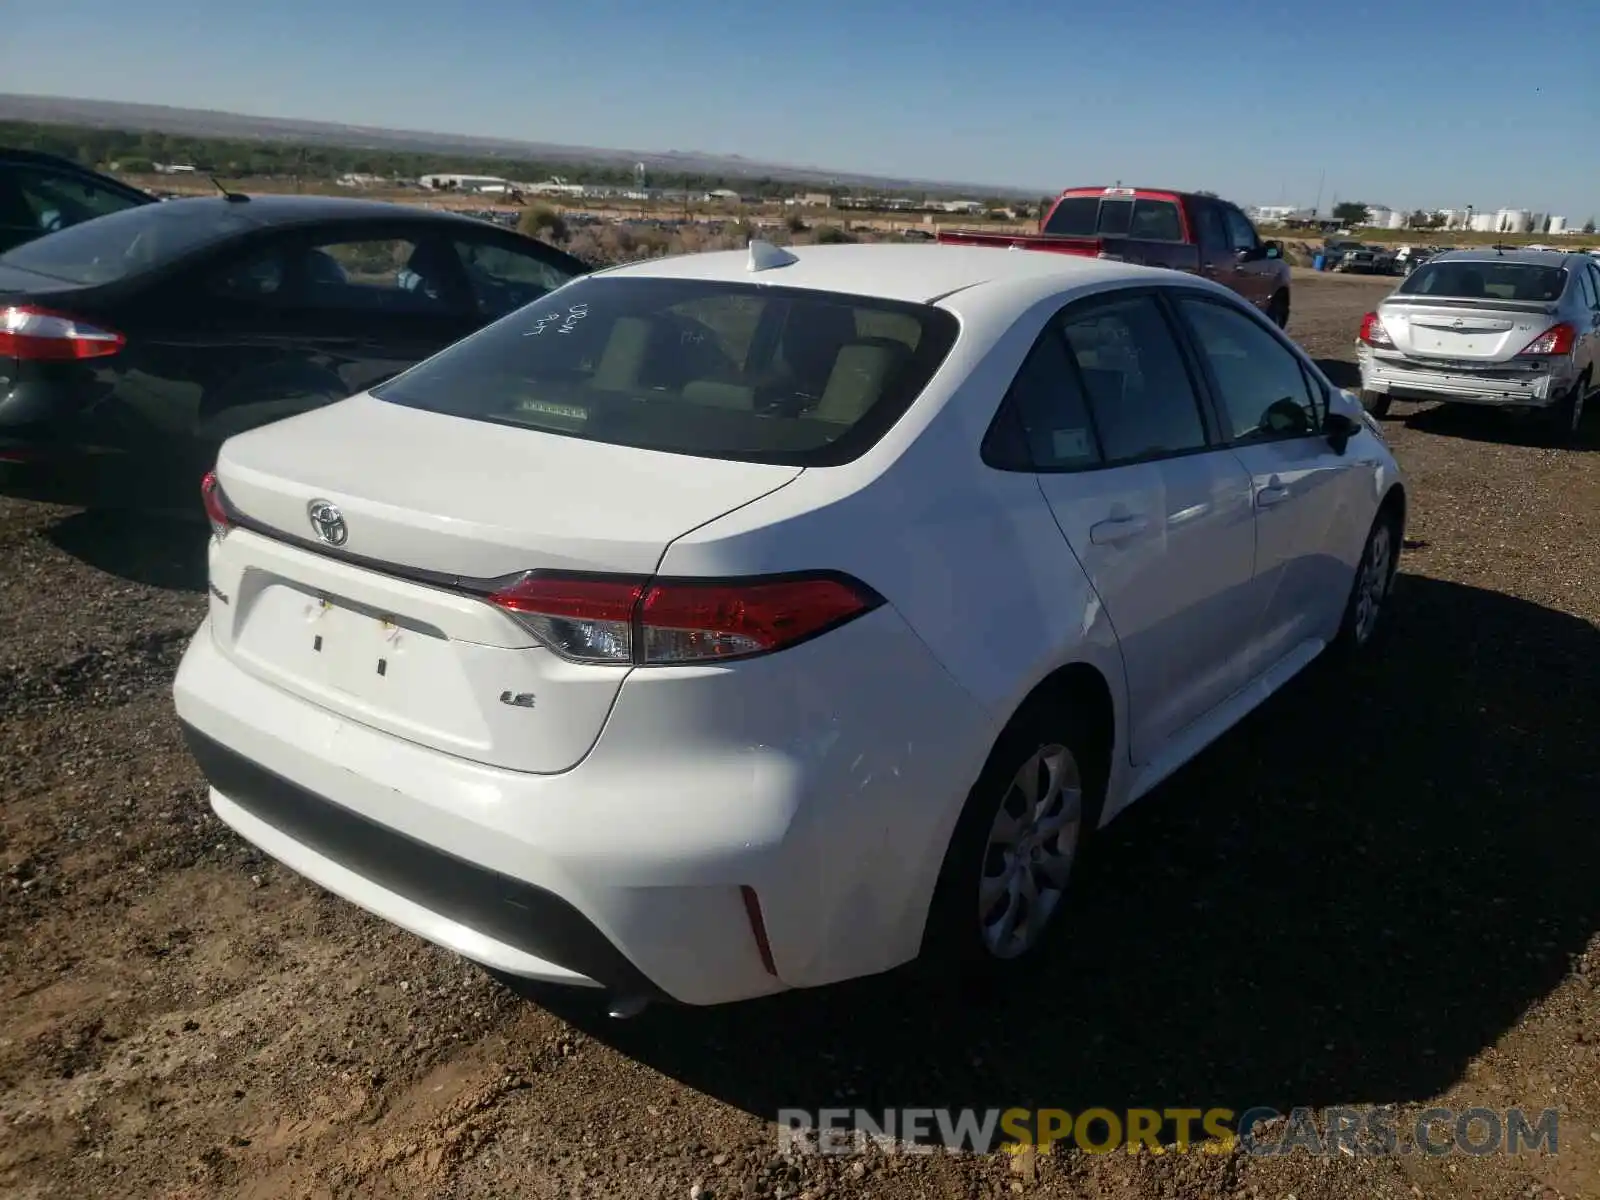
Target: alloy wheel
1032,844
1373,584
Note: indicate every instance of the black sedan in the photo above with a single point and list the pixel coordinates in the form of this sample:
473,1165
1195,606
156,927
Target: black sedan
133,344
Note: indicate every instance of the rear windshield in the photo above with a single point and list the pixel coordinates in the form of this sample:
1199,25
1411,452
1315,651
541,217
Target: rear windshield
717,370
1488,279
1093,216
122,244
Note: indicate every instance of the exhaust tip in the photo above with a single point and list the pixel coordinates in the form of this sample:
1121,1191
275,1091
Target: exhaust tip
622,1008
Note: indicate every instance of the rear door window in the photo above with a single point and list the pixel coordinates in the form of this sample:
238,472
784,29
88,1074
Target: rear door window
1210,229
1586,283
1140,394
379,274
1044,424
1155,221
720,370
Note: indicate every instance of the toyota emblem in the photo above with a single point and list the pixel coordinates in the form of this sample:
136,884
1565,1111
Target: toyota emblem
328,522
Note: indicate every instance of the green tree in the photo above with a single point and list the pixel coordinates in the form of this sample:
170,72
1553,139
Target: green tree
832,235
1351,212
1588,226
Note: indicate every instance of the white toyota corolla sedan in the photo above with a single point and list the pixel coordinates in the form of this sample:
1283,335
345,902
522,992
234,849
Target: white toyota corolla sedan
741,622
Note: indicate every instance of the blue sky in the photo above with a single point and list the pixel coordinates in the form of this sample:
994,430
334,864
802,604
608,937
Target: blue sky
1481,102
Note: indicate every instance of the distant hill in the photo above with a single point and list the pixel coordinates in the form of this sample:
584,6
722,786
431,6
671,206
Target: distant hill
196,122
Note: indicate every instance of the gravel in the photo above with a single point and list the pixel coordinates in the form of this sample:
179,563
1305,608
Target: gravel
1380,889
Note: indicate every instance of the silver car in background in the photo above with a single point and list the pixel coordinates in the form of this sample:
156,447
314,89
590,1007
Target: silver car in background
1512,329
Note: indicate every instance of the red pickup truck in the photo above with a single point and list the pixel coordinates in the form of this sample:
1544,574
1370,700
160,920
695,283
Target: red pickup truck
1182,231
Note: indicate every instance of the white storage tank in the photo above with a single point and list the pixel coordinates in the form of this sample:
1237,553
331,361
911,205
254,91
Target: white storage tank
1558,224
1483,222
1513,220
1378,218
1397,220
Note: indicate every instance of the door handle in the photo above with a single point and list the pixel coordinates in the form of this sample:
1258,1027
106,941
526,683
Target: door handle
1118,529
1268,496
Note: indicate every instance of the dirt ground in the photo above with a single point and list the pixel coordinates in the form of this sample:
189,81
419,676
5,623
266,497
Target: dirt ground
1380,889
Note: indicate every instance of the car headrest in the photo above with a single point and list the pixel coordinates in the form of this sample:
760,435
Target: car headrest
862,371
624,355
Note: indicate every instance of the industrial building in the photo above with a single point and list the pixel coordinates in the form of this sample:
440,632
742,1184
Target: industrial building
464,183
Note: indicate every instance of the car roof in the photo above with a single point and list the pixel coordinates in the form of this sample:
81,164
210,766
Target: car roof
889,271
1537,258
267,211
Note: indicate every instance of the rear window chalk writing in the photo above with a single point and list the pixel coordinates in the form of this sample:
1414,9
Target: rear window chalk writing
564,322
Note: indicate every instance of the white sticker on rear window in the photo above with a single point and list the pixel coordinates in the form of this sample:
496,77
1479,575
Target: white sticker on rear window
567,412
1071,443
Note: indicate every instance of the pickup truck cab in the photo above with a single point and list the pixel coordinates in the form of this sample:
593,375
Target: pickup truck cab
1183,231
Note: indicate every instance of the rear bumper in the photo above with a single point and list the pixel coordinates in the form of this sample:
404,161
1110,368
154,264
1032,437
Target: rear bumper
831,796
1507,387
371,858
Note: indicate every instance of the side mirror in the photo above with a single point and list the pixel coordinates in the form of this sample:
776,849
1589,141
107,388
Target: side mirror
1339,428
1273,250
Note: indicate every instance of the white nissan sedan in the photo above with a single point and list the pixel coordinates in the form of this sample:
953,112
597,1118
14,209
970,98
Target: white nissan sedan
734,623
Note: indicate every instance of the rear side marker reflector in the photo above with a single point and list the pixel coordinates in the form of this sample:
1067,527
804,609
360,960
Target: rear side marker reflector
758,927
32,334
664,622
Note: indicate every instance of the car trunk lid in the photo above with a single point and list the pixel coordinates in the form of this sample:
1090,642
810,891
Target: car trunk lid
1464,330
391,625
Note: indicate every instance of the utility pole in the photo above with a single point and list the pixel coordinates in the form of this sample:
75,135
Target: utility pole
1316,210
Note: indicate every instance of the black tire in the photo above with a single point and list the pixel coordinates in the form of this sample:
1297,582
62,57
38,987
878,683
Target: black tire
954,943
1564,418
1363,610
1376,403
1278,308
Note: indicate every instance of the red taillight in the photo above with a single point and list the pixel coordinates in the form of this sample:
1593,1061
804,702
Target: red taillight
586,620
39,335
1372,331
1558,339
637,622
216,505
